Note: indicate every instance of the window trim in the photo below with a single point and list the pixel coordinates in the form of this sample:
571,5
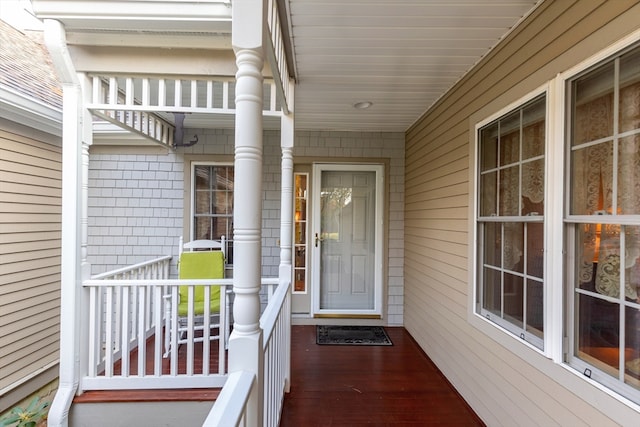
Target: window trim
550,363
569,356
189,201
500,330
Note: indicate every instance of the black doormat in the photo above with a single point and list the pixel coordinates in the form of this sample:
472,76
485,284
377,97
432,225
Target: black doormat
351,335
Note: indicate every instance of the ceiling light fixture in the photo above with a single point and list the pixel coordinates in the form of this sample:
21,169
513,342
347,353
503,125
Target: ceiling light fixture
362,105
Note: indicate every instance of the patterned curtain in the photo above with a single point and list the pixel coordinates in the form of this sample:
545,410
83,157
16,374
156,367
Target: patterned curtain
593,192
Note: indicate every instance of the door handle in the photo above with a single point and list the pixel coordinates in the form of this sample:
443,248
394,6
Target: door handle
318,239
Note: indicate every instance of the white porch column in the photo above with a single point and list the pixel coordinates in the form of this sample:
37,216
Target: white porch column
245,344
76,128
286,218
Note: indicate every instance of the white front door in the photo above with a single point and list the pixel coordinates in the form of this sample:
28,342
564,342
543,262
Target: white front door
346,241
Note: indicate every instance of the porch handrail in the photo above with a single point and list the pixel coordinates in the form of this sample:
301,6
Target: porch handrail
144,266
231,403
275,323
276,337
127,308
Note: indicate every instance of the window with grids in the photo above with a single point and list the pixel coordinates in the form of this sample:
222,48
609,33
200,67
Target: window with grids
602,223
510,220
212,206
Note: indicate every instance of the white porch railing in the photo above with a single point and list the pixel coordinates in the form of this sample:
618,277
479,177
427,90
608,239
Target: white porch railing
276,335
128,331
230,408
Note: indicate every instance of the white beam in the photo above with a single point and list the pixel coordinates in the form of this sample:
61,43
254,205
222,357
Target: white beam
209,16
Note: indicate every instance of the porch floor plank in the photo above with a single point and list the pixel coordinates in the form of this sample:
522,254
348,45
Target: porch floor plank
394,385
183,395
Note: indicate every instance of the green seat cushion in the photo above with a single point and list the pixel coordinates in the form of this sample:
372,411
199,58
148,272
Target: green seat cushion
200,265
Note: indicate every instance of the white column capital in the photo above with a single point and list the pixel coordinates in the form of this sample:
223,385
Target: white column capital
248,24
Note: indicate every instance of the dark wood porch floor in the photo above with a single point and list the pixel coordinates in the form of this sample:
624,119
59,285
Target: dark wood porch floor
369,385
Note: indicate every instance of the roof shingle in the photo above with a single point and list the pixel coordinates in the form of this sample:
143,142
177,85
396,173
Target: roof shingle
26,67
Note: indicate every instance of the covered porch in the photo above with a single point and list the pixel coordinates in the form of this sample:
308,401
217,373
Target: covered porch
348,385
125,82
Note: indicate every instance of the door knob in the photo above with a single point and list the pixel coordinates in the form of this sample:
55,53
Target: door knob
318,239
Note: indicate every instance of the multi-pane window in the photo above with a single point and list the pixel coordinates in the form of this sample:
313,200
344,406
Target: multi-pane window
300,229
603,223
213,204
510,220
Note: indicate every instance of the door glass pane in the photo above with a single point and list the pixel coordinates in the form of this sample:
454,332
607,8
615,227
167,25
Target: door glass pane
300,233
347,240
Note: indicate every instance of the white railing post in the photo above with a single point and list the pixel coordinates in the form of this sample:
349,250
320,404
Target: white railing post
245,344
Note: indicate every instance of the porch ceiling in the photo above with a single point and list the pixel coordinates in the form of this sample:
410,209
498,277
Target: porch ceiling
400,55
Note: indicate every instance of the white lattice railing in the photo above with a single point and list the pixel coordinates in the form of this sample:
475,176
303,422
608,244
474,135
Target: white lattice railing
231,406
131,314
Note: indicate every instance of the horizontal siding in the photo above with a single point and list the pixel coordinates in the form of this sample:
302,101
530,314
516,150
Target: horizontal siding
30,225
502,387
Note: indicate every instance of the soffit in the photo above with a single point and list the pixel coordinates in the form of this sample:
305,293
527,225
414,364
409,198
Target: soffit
402,56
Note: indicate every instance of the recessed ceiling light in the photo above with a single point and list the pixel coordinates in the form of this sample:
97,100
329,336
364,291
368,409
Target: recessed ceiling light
362,105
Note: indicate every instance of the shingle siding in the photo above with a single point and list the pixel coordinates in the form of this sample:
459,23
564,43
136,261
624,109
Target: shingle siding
136,201
135,208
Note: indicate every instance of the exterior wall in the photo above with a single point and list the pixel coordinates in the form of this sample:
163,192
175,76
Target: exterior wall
137,196
504,381
135,205
370,146
30,222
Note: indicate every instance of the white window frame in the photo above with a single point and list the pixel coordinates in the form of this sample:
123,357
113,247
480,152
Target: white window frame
588,371
500,330
192,199
556,343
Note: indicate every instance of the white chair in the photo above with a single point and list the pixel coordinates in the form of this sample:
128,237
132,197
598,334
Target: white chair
186,307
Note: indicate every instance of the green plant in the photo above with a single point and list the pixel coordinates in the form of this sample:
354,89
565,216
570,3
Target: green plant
29,417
